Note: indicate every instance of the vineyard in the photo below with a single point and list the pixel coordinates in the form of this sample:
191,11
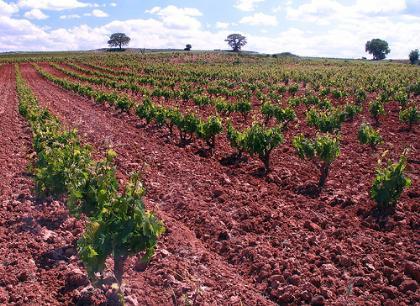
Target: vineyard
208,179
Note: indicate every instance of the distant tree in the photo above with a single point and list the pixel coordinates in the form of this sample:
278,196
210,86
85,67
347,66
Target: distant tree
378,48
118,40
188,47
236,41
414,56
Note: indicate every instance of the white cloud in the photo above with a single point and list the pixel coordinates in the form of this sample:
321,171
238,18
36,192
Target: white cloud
259,19
55,5
7,9
35,14
113,4
99,13
71,16
222,25
380,6
247,5
178,18
172,10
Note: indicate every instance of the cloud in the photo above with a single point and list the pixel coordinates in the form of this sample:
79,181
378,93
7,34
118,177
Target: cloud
7,9
36,14
259,19
99,13
113,4
380,6
54,5
71,16
222,25
247,5
179,18
172,10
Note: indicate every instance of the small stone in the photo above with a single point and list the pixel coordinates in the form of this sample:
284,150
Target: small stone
328,269
76,278
286,298
131,300
345,261
217,193
23,277
318,300
408,285
359,282
412,270
390,291
293,280
305,296
311,226
165,252
69,252
224,235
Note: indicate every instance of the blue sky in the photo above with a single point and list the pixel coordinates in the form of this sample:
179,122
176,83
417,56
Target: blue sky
305,27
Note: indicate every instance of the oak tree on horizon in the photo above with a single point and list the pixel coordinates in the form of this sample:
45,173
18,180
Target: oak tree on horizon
118,40
378,48
236,41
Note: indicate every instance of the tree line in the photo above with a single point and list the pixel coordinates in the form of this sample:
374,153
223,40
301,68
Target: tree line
377,47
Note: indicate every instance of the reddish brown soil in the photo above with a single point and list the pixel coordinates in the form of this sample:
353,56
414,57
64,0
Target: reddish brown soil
36,252
235,237
183,269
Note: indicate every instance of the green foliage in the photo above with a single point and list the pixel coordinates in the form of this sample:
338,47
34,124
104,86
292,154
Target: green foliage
410,116
376,108
236,41
294,102
201,100
389,184
414,88
256,140
325,91
261,141
293,89
236,139
208,130
368,135
224,107
62,161
325,104
323,150
243,107
146,110
351,110
121,229
326,121
188,125
122,102
414,56
283,116
337,94
118,40
95,190
378,48
361,96
401,97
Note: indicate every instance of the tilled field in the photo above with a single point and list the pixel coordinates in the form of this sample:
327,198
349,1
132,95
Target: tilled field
233,237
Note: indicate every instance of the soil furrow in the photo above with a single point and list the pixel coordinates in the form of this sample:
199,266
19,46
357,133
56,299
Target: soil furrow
184,266
28,233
